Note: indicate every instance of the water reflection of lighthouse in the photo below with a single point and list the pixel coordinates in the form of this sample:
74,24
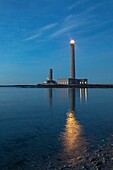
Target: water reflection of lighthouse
73,142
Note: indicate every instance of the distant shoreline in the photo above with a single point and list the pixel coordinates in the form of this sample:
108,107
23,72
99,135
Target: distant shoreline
62,86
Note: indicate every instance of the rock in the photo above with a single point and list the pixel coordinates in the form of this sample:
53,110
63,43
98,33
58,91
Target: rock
93,159
103,160
99,163
80,157
98,155
59,159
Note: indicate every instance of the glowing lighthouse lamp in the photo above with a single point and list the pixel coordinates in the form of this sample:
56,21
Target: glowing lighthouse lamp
72,42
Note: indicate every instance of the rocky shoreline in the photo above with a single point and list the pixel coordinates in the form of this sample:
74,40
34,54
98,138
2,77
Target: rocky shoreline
61,86
100,159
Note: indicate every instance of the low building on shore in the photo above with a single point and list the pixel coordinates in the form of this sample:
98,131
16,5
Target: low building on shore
72,81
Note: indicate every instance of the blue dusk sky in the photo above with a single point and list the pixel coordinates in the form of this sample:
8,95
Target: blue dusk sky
35,36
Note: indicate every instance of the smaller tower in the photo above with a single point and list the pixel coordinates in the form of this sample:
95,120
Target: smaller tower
50,75
50,80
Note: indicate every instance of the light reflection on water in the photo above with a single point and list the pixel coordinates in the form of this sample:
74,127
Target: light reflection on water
74,145
83,95
72,140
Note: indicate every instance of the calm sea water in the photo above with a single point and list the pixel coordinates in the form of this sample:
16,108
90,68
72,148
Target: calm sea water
44,128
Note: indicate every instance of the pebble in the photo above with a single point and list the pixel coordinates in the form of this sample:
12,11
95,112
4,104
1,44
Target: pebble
93,159
59,159
80,157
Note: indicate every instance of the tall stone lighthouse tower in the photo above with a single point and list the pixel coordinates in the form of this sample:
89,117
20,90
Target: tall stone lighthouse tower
72,59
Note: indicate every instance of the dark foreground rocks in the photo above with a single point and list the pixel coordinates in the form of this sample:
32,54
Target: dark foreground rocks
100,159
